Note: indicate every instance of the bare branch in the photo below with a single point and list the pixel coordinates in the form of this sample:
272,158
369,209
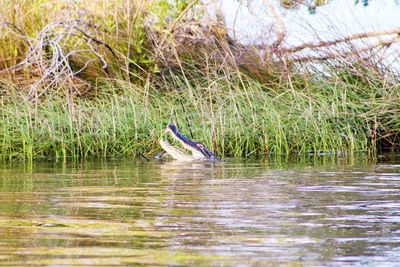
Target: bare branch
313,45
96,41
338,54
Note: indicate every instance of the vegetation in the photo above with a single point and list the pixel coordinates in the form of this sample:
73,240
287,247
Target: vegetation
106,77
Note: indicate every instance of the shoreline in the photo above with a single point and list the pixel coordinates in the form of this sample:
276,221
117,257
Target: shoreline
231,120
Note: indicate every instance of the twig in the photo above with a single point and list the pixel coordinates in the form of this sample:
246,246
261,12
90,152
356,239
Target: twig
143,156
97,41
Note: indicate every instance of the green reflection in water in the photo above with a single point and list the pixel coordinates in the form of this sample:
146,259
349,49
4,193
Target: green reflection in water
310,211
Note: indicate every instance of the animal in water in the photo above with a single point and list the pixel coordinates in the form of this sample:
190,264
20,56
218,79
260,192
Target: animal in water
198,150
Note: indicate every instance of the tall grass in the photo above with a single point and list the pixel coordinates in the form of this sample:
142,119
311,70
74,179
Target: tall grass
238,118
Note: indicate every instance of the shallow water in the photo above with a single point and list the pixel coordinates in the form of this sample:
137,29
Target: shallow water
318,211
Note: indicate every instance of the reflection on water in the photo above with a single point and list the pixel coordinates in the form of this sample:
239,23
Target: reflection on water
247,213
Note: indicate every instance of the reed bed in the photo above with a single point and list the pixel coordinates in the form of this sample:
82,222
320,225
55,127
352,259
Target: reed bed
239,119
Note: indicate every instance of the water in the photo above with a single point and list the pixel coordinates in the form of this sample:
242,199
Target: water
323,211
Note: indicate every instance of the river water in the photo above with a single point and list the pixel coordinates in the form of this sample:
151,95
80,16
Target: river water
318,211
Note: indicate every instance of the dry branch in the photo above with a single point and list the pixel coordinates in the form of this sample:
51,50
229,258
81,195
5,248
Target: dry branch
358,36
342,54
94,39
49,56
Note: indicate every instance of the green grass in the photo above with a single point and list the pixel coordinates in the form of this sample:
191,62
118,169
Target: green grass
235,118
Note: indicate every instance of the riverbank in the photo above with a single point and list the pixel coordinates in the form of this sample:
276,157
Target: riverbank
105,80
238,118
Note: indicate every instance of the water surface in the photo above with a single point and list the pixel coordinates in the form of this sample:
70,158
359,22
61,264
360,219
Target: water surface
321,211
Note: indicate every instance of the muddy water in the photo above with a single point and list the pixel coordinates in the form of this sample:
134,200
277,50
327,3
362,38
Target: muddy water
320,211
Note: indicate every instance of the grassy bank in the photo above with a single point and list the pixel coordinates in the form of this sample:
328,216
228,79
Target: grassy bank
105,79
234,119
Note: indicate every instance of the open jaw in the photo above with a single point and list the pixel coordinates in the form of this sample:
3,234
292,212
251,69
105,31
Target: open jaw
199,151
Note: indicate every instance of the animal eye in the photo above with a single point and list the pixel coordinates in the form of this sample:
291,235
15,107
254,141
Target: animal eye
200,146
